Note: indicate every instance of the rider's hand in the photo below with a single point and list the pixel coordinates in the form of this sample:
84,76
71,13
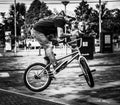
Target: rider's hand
61,37
55,42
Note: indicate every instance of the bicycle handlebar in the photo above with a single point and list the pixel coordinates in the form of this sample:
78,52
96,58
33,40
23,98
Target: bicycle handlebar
71,42
61,41
65,36
64,41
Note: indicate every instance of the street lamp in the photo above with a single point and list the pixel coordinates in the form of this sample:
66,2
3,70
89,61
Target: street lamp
65,3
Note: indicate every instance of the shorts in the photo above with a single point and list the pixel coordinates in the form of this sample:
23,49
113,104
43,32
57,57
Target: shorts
41,38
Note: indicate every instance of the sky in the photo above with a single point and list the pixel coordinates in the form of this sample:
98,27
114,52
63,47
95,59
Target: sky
5,4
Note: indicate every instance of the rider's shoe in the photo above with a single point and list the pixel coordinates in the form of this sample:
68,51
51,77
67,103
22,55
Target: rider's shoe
47,59
52,76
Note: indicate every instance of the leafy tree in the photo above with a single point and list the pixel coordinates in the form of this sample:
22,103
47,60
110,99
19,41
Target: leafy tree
2,32
87,14
110,19
105,17
83,11
104,11
94,21
36,11
20,17
115,14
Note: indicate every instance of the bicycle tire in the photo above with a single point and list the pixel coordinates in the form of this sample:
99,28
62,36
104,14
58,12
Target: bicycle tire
32,84
86,71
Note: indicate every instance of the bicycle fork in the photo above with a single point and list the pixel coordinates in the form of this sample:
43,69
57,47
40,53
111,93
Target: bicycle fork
80,57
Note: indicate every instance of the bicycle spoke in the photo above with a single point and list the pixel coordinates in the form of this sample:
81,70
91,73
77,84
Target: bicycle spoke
37,77
86,72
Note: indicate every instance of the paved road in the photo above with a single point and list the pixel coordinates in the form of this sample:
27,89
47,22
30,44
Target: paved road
68,88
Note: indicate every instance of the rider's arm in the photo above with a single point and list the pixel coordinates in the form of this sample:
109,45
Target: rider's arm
59,31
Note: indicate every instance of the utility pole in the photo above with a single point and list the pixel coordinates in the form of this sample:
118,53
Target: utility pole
100,25
15,30
65,3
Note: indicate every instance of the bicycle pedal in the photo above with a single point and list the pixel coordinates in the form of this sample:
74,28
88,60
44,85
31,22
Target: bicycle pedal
93,70
90,71
52,76
80,75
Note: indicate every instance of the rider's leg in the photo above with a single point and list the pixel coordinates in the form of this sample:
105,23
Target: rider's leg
46,45
50,54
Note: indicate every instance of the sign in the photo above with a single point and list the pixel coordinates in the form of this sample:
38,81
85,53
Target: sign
8,41
107,39
107,43
7,33
85,44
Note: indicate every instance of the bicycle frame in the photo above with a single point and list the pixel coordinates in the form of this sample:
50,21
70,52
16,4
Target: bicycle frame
48,75
74,54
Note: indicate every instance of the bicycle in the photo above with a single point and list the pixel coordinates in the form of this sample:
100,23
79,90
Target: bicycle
38,76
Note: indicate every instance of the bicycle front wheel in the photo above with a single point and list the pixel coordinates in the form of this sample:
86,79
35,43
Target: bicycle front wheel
86,71
37,78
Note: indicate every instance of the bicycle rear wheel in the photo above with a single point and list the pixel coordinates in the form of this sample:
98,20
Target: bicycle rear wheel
37,78
86,71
